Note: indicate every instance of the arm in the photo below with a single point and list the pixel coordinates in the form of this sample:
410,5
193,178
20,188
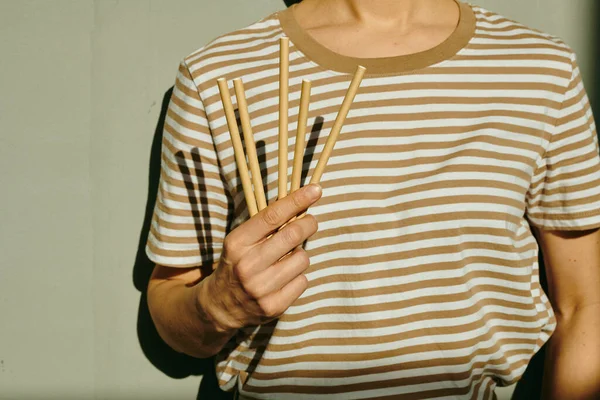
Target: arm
254,282
181,318
572,366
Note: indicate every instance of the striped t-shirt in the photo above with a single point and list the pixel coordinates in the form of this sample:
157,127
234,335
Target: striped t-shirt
424,272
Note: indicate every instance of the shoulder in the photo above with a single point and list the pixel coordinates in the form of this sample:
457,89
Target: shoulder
495,31
242,48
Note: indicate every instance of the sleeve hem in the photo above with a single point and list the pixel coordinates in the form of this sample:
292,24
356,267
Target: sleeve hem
569,216
553,223
178,262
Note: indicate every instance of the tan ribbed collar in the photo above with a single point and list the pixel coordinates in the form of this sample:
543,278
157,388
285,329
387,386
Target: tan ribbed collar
328,59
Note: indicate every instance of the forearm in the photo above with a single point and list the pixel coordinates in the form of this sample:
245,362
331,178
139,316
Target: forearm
572,366
183,320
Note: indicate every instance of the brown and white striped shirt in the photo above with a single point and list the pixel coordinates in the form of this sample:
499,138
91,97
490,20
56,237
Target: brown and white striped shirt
424,271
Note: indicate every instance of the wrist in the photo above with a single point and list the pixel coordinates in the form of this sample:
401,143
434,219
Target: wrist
210,306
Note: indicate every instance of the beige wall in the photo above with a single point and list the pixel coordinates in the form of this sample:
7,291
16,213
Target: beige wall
81,89
46,232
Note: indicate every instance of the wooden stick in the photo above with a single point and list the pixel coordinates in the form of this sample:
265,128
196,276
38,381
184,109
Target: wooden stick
259,191
300,136
337,125
300,143
240,158
283,115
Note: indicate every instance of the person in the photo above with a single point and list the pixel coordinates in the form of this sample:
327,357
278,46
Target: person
469,148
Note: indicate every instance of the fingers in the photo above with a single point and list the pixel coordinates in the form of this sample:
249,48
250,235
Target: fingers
278,275
268,220
284,241
262,256
278,302
253,271
284,210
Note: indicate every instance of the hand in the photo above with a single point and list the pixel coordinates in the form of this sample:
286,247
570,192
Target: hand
260,273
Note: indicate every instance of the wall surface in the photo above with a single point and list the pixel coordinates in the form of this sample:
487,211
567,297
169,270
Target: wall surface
46,233
82,87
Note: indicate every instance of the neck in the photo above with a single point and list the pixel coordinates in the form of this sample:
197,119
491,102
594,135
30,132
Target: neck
382,12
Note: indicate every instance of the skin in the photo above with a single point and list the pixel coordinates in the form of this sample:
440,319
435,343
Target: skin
378,28
572,261
257,278
250,285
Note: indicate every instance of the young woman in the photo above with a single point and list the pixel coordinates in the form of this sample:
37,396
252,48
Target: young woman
469,135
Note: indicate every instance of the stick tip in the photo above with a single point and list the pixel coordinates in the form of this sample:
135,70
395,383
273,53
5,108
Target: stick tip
238,86
223,85
361,68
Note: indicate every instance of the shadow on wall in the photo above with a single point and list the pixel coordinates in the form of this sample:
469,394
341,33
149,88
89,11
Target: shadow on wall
165,359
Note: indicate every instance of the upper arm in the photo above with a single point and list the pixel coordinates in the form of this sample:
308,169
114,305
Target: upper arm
563,201
572,262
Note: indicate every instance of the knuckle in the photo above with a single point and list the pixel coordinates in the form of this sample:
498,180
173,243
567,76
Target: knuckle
297,200
303,282
303,259
272,216
253,291
268,309
229,247
313,223
293,233
240,270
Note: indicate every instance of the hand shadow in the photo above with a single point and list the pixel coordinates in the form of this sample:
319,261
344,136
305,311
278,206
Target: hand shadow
165,359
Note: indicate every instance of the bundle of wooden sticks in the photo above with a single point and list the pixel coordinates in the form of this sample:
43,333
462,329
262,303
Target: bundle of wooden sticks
253,188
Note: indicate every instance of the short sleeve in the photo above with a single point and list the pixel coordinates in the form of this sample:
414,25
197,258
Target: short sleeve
192,206
565,189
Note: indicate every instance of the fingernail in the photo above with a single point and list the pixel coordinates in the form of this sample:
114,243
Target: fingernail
313,190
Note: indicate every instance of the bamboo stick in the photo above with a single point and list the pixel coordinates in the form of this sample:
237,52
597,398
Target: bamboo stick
337,125
240,157
300,136
283,116
259,192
